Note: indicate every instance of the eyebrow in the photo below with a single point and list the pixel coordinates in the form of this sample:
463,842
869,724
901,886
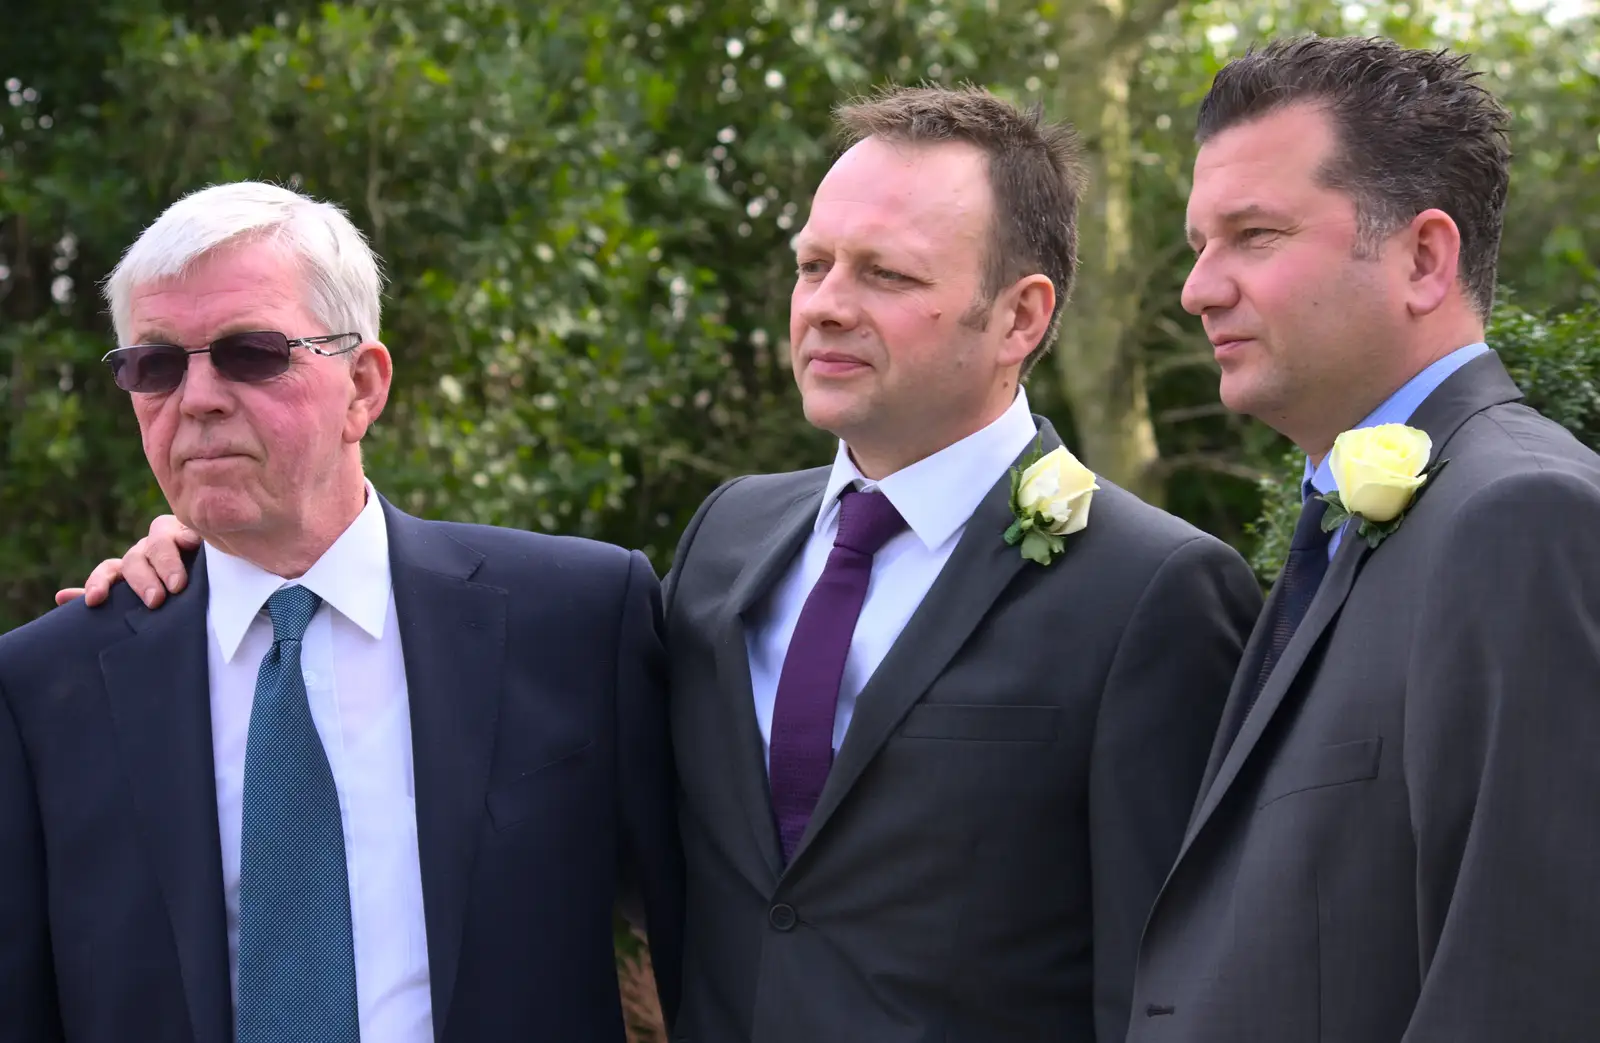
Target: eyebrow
162,335
905,257
153,335
1241,215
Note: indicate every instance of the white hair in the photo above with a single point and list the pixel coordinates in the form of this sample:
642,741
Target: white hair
342,281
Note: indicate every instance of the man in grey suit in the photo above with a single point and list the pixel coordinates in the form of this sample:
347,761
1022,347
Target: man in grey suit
1398,836
930,787
941,810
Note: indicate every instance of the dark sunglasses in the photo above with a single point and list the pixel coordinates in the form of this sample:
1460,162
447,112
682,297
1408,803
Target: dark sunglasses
248,358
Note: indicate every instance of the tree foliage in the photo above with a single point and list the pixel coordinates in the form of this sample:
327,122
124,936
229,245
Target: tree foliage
585,211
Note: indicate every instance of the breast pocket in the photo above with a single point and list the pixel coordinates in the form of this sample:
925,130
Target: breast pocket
514,801
981,723
1326,766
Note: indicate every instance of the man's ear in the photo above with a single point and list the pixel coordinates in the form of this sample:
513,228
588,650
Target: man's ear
1025,317
1431,256
370,375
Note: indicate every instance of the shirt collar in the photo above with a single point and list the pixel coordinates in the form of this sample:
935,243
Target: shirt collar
937,494
1396,409
352,576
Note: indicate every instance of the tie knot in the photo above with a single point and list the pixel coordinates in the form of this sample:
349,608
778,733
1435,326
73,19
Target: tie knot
291,609
866,521
1308,530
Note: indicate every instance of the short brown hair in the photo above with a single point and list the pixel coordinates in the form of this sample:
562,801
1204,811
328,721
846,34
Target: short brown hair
1035,172
1415,131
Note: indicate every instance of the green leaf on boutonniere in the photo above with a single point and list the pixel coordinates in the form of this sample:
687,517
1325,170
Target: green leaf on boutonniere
1040,546
1016,487
1335,515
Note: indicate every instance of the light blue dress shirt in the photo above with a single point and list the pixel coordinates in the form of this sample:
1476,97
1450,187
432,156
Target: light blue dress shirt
1396,409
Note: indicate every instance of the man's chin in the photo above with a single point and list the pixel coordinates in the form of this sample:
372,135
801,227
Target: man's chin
217,515
832,412
1240,395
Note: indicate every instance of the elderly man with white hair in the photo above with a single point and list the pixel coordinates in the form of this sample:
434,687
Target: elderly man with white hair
367,776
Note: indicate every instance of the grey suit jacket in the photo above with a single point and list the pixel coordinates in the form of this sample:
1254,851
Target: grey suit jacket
1009,796
1403,843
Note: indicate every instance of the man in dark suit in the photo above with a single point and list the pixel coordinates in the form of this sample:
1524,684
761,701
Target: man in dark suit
929,786
368,776
1398,837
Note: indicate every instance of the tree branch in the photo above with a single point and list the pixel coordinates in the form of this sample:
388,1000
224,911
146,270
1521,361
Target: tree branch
677,454
1182,413
1217,463
1189,359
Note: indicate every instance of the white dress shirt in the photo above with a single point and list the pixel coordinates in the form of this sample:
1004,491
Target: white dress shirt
935,496
356,682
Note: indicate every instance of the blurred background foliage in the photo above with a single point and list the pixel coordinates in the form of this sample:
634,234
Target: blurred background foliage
585,213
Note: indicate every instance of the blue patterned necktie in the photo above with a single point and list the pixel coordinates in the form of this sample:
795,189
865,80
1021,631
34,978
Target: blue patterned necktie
297,968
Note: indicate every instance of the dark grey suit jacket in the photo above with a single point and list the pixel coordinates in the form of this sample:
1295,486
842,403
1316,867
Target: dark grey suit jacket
1403,843
1009,796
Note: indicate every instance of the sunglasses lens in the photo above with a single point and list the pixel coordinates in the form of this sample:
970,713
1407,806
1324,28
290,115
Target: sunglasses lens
251,357
148,368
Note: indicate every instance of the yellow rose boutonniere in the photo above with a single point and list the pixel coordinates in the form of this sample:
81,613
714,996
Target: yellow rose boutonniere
1379,471
1050,498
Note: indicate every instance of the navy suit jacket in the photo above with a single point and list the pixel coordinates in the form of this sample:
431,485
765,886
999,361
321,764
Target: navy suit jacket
544,794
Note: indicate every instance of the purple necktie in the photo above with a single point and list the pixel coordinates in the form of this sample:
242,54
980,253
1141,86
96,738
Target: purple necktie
801,750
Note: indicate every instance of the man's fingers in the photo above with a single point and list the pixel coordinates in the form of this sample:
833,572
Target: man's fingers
165,561
98,586
140,574
67,594
164,547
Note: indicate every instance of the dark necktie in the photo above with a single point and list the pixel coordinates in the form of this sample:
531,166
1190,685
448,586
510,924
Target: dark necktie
801,750
297,971
1303,569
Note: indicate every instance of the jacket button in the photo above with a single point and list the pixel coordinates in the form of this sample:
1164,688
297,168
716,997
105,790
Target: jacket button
782,917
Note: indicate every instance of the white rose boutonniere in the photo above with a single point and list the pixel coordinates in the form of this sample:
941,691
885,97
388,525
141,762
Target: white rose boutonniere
1379,471
1050,499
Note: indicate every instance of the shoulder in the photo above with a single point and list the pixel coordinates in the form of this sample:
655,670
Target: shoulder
1523,505
1143,534
68,632
1512,435
759,493
1509,462
1516,490
751,503
514,548
568,572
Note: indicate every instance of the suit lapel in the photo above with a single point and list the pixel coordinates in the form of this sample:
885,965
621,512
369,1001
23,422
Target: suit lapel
978,572
762,570
1330,598
453,636
158,685
1476,386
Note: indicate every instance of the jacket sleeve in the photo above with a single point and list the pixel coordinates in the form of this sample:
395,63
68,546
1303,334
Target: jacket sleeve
1502,768
652,858
1158,715
28,1011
